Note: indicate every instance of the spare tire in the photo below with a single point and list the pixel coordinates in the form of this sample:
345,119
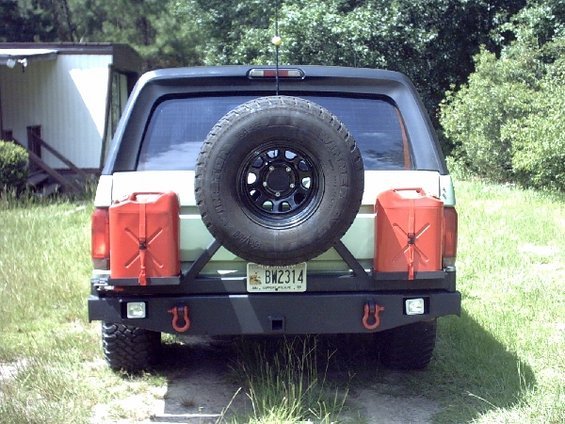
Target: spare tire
279,180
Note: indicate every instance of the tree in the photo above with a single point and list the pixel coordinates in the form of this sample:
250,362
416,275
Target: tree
163,32
432,41
537,139
34,20
45,20
12,22
225,26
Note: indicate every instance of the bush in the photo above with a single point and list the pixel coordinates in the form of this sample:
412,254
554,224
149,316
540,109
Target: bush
472,118
13,166
506,123
538,142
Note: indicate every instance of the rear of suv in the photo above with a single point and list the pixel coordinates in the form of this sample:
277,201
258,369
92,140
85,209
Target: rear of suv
253,200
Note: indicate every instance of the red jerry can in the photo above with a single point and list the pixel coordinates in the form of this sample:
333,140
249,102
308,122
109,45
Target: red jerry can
144,237
408,232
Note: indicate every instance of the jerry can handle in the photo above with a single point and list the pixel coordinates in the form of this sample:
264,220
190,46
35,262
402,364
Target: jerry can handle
133,196
418,190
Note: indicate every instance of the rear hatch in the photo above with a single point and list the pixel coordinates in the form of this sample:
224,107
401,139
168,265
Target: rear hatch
380,109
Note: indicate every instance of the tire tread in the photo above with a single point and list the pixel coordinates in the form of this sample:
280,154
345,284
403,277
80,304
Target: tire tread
129,348
409,347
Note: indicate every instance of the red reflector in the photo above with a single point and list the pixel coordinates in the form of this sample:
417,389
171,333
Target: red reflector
100,247
450,233
272,73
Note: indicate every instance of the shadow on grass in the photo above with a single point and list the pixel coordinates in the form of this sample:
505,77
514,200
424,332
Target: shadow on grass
471,372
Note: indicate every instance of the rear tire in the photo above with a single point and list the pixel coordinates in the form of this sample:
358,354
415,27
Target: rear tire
409,347
130,348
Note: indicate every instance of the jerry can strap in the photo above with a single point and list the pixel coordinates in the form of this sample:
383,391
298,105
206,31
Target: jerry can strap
142,236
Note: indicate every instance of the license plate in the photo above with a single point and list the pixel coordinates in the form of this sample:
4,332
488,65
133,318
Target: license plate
263,278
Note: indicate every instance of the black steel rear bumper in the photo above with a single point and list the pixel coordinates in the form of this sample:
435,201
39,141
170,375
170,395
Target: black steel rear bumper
305,313
353,303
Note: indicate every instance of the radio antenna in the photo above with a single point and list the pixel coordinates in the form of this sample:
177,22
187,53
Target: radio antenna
277,41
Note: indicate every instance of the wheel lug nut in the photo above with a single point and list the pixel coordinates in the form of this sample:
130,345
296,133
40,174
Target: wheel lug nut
271,168
288,169
264,183
277,194
292,186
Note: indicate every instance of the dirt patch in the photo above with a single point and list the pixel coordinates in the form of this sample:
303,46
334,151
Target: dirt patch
9,371
538,250
200,389
376,407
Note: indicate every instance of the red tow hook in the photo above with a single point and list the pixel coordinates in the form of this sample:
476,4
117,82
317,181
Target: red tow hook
176,311
371,309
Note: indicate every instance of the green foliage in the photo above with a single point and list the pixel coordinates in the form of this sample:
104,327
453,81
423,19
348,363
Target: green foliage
13,166
224,25
37,20
506,122
163,32
431,41
473,116
491,121
13,23
538,139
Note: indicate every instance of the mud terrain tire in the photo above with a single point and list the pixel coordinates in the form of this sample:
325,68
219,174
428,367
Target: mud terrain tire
409,347
279,180
130,348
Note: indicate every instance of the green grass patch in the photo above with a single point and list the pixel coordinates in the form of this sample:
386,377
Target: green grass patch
502,361
44,272
286,381
44,332
44,269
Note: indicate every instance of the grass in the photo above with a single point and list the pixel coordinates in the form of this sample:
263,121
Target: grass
285,382
502,361
42,288
44,280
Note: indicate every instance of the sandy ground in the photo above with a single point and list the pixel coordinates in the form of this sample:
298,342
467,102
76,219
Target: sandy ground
200,389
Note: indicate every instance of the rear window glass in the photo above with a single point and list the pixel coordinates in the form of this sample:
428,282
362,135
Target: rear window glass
178,128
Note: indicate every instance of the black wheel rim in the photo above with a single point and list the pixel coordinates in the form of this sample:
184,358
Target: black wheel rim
278,183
